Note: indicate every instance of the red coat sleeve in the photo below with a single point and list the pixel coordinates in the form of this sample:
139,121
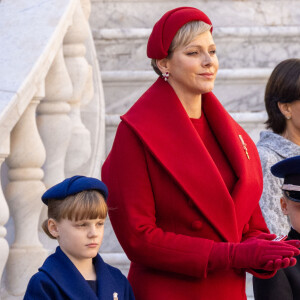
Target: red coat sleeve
132,213
257,225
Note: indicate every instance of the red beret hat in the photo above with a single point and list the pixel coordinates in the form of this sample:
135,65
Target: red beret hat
167,26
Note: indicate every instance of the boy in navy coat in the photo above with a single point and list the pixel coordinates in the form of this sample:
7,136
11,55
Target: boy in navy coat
76,213
285,285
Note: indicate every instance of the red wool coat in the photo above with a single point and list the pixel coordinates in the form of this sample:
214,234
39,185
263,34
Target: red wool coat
169,204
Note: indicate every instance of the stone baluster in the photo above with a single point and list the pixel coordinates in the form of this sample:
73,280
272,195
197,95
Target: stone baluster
86,8
23,193
54,125
80,71
53,120
4,214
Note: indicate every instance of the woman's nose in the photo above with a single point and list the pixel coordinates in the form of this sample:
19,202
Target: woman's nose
207,60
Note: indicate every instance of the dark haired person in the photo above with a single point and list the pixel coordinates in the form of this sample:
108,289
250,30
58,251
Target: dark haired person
184,186
282,102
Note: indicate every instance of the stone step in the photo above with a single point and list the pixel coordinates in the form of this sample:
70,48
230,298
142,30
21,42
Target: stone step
228,13
237,89
237,47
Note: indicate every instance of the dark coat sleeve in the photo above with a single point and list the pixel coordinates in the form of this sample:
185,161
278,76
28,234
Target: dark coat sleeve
275,288
128,294
114,278
41,287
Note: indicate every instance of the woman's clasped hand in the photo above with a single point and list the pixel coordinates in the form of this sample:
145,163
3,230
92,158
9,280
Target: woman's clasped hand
257,253
264,253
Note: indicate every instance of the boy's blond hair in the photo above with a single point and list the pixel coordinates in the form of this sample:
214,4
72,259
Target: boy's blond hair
84,205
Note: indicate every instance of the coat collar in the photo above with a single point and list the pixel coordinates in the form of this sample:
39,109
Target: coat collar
163,125
64,273
280,145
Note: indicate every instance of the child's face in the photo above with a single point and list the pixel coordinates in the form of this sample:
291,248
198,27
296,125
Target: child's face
292,210
80,239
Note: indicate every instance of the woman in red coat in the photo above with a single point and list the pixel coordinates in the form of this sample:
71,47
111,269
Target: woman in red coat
185,178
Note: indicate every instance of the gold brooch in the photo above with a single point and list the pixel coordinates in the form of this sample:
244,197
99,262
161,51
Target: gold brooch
244,146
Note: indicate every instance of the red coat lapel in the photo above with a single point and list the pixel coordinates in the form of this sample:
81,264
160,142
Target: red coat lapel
161,122
248,188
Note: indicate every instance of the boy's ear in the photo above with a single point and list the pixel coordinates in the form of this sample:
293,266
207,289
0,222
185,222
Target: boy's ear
53,228
283,203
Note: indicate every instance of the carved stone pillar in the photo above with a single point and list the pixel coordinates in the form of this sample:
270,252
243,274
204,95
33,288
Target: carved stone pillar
80,71
53,120
54,125
23,193
4,214
86,8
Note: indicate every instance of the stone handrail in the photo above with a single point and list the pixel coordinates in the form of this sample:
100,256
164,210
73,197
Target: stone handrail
255,31
51,121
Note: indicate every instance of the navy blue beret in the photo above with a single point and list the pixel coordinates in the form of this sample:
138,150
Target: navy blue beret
289,170
74,185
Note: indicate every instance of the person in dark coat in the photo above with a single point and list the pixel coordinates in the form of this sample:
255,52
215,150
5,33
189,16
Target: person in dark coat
285,285
76,213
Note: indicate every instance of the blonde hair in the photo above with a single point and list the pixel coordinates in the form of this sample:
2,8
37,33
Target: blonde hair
183,37
84,205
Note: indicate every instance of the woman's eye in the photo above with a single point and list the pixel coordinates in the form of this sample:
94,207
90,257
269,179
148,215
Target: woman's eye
100,224
192,53
81,225
213,52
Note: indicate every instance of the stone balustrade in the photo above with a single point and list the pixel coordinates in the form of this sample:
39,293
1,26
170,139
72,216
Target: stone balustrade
51,122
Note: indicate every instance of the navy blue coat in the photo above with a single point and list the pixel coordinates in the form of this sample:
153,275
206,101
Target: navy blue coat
58,278
285,285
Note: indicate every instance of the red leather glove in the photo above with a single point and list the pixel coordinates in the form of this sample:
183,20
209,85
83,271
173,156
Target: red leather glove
255,253
280,264
262,236
262,254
